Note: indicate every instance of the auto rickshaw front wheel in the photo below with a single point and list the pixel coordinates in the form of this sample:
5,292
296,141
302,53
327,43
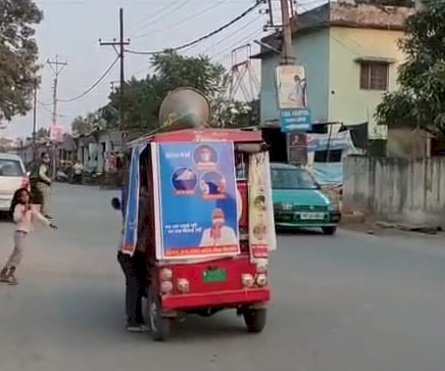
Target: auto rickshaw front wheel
160,326
255,319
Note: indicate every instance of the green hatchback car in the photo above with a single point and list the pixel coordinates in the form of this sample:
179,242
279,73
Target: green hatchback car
299,201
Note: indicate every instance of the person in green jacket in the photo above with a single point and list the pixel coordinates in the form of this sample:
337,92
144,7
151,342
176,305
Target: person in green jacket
41,183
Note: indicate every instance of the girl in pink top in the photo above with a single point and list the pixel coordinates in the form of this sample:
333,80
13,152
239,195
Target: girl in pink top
24,218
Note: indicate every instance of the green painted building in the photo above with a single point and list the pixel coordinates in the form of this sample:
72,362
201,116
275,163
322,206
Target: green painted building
350,54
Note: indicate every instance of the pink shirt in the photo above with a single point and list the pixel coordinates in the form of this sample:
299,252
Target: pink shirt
24,220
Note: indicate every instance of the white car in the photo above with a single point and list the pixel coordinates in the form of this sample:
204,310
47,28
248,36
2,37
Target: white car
13,176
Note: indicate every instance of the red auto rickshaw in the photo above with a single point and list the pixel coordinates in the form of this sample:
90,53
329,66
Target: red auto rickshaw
211,225
199,267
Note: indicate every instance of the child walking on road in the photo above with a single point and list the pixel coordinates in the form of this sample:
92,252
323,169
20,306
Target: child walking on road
24,218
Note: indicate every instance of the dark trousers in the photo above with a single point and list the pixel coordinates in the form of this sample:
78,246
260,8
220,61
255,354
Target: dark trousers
135,271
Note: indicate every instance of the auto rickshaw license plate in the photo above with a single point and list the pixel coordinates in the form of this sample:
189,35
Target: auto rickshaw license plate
215,276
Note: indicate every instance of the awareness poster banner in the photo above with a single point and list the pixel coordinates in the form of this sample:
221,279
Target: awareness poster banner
198,200
132,207
262,237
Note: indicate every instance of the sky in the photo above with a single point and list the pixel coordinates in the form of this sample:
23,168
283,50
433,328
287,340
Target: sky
71,30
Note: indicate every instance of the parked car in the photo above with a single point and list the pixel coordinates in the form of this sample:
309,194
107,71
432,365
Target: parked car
12,177
299,201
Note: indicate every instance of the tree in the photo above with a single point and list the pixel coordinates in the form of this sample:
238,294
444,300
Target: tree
235,114
143,98
42,133
420,102
88,124
18,56
175,70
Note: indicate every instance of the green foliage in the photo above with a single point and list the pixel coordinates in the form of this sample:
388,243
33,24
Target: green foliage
420,100
18,56
142,98
234,114
88,124
42,133
175,70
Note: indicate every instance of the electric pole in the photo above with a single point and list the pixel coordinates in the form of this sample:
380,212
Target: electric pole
57,67
34,125
288,57
119,47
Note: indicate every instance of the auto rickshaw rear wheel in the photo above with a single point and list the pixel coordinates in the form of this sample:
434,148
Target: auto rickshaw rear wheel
160,326
255,319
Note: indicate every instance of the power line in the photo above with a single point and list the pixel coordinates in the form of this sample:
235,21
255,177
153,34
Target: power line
202,38
44,106
189,18
161,19
92,87
235,32
228,50
159,12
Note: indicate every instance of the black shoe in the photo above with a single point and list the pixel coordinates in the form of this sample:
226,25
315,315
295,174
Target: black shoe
137,327
4,275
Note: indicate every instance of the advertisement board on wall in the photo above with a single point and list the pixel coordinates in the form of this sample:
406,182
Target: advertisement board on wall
291,87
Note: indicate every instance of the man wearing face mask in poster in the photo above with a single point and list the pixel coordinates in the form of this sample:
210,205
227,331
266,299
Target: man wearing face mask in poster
219,234
41,184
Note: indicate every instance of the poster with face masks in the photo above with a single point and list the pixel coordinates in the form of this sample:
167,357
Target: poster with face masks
198,203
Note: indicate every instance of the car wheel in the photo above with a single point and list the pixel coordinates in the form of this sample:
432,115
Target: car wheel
330,231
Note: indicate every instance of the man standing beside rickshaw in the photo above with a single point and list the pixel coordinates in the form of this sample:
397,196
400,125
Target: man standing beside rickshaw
134,266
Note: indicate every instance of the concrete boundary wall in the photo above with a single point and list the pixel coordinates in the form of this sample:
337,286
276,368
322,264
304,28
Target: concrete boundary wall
396,190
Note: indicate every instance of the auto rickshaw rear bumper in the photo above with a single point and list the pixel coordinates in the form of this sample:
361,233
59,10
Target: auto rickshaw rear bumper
221,299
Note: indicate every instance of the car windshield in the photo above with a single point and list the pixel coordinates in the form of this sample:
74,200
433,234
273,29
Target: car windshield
292,179
10,168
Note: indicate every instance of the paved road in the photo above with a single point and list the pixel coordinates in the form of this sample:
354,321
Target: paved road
349,303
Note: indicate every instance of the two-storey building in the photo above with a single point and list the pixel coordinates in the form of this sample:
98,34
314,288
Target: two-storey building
351,55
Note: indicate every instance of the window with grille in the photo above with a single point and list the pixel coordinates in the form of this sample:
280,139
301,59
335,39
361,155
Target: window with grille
374,75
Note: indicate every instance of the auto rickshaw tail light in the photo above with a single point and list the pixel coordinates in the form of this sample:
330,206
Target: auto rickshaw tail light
247,280
261,267
166,274
261,279
166,287
183,285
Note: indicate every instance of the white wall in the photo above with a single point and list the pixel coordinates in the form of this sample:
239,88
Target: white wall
409,191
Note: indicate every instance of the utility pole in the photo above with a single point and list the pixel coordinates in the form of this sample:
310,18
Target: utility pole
119,47
57,67
288,56
34,126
